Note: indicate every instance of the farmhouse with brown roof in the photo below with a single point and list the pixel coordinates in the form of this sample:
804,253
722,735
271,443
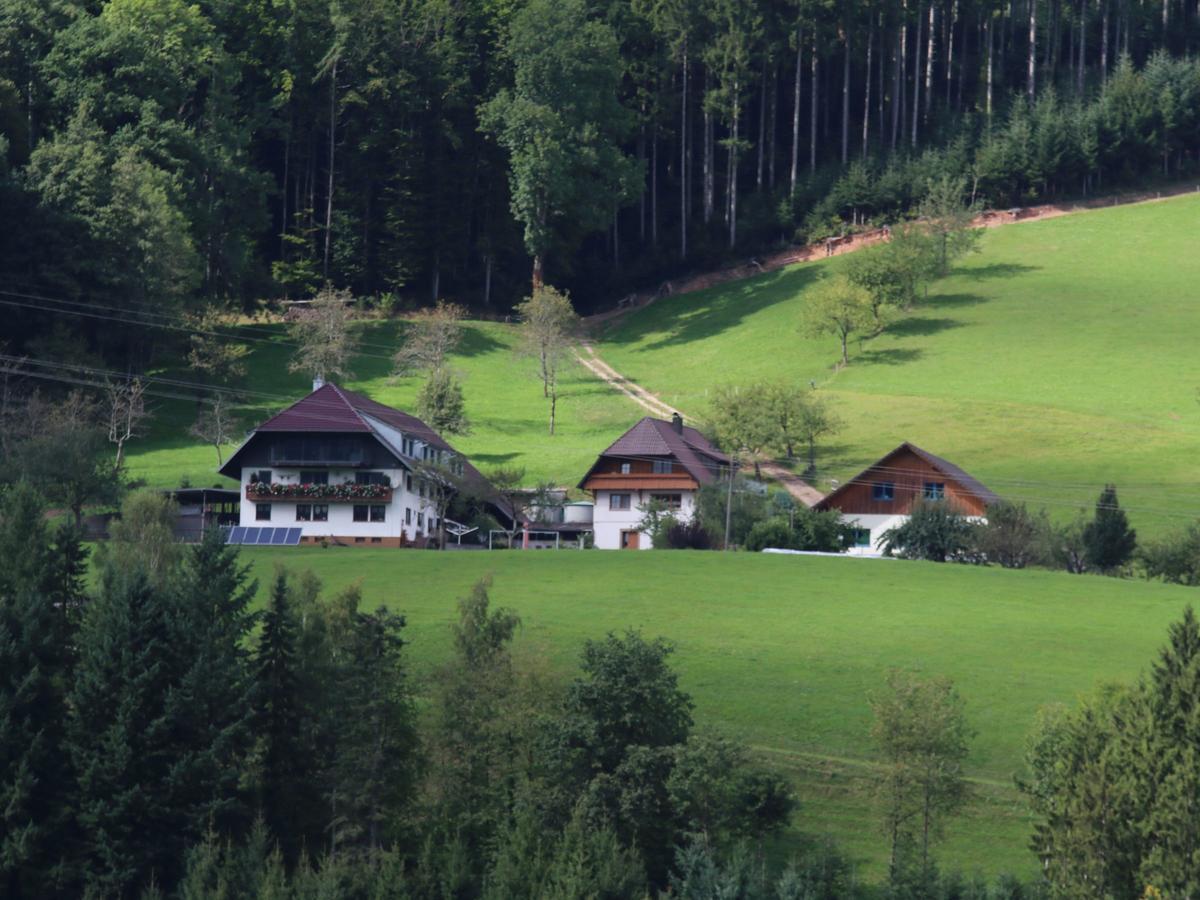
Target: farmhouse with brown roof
655,460
340,467
882,496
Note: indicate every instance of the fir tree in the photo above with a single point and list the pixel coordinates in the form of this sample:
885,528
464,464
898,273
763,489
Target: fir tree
121,737
1108,540
285,776
440,403
35,778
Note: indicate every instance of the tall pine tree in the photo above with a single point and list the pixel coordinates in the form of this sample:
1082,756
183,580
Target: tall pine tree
35,774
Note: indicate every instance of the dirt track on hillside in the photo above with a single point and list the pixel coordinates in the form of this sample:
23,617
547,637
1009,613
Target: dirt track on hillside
586,354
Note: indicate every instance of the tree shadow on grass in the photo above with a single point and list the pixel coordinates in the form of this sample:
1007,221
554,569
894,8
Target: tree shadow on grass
951,301
892,356
703,314
994,270
922,326
492,459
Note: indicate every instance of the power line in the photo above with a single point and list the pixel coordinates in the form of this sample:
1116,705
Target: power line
144,310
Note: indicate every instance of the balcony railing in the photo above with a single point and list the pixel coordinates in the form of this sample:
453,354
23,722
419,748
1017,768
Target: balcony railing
344,493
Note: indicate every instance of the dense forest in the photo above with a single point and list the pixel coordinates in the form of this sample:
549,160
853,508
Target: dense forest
168,157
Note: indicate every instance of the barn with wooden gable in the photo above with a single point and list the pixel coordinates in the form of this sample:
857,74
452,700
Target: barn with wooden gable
882,496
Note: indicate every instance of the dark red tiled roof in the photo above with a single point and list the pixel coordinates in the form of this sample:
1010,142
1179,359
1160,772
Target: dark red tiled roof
328,408
658,438
331,408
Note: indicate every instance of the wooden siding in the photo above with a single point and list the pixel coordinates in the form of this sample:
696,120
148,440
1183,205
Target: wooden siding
909,473
641,481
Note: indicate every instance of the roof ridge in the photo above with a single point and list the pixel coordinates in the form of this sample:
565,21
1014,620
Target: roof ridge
342,392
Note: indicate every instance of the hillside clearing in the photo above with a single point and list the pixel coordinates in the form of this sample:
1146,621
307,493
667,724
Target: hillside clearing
1058,358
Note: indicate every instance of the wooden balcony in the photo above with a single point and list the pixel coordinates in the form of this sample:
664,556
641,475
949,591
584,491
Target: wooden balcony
325,493
641,481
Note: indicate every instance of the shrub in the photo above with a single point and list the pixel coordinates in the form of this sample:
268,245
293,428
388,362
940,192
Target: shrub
771,533
1176,558
935,531
1012,536
688,536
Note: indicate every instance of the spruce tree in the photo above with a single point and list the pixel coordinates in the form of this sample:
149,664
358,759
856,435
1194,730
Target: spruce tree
121,737
374,765
1108,540
35,775
211,706
285,775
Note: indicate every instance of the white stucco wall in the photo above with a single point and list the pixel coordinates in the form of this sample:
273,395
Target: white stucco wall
879,526
607,524
341,512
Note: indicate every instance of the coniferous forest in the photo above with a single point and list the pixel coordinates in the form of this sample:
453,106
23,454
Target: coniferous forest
188,156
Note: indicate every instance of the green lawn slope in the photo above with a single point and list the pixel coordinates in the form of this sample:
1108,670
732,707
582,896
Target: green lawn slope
783,652
504,402
1060,357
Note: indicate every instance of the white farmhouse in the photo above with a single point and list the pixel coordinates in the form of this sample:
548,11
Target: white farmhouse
654,460
344,469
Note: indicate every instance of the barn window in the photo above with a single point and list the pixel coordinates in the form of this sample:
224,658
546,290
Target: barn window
884,491
935,490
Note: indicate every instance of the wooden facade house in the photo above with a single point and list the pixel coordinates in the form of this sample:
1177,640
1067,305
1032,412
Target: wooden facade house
882,496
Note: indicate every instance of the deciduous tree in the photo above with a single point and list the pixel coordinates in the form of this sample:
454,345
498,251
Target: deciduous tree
839,307
325,341
549,326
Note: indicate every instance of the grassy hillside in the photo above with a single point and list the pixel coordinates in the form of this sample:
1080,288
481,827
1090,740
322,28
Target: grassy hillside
783,652
1057,359
504,402
1060,357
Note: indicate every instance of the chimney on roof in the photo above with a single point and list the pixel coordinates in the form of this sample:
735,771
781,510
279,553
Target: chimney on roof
318,382
677,423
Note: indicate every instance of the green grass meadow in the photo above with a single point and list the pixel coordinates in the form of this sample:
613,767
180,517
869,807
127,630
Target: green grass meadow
1060,357
504,402
783,653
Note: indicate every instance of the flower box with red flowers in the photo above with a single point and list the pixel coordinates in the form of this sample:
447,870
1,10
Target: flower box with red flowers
349,493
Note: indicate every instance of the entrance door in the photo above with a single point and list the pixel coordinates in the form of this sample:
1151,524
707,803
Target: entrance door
629,540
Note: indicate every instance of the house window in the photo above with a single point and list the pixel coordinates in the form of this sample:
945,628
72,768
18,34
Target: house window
371,478
303,512
360,512
626,468
884,491
862,538
410,482
935,490
406,446
320,512
360,540
618,501
420,520
663,467
376,540
407,516
673,502
314,477
262,512
261,477
378,512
